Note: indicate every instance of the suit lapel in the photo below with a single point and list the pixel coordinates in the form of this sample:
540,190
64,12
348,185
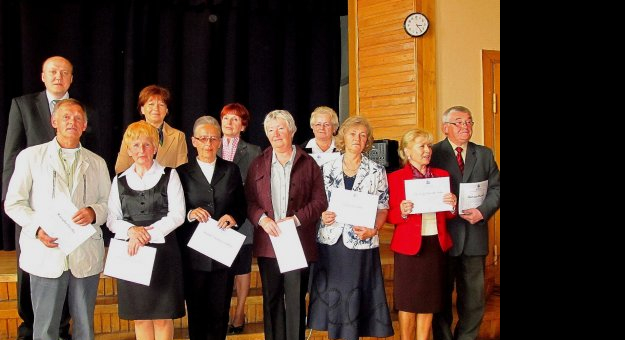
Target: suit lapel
241,151
449,158
219,173
199,176
469,162
168,140
43,111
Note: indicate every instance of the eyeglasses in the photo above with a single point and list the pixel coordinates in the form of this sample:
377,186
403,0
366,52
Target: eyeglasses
323,125
460,124
207,139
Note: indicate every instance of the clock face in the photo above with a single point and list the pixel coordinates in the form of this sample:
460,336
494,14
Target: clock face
416,24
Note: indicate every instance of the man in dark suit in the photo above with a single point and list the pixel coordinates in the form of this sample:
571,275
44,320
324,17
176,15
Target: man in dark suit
284,183
213,188
30,124
466,162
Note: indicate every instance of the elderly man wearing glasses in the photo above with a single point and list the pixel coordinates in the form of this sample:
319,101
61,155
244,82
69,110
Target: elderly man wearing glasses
466,162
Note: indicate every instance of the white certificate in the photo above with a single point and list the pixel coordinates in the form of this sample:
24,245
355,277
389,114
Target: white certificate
221,245
323,158
58,223
137,268
353,207
471,195
288,248
427,194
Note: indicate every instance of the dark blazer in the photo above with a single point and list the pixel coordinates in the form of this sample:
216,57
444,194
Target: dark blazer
307,200
244,155
29,124
407,234
223,195
479,165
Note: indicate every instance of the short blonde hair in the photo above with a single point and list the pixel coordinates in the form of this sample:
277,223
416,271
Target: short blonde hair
350,122
325,110
280,114
140,129
408,139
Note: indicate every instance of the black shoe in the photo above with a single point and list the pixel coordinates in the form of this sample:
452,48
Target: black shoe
24,337
236,329
65,337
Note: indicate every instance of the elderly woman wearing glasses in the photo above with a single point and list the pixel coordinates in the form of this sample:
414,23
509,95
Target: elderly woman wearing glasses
324,122
213,188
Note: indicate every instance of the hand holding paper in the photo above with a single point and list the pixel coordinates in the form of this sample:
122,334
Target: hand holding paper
59,223
288,248
427,194
222,245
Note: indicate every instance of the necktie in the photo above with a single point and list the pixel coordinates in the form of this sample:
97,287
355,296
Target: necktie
53,104
160,135
459,159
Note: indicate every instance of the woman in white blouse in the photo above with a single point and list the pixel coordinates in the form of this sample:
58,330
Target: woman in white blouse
323,122
146,204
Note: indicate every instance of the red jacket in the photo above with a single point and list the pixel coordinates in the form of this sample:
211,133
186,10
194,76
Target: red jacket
407,235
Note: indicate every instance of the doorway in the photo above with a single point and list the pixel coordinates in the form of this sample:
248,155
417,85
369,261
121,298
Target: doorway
491,68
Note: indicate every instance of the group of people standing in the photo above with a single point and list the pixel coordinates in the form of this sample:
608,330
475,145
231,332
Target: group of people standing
158,196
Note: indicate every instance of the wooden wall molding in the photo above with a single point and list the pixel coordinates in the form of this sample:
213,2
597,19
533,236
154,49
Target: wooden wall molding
392,75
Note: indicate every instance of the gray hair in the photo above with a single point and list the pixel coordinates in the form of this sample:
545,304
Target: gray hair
70,101
206,120
455,108
280,114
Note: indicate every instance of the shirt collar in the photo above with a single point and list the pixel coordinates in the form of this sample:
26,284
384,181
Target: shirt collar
312,144
155,169
58,147
274,158
50,98
454,146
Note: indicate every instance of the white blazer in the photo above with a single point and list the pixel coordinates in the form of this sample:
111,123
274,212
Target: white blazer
370,179
37,181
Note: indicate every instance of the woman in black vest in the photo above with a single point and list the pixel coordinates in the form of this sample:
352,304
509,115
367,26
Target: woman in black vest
146,205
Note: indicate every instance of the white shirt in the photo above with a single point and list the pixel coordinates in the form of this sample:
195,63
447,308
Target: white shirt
464,149
312,144
175,200
50,99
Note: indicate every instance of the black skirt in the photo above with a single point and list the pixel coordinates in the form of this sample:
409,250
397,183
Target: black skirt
164,297
419,279
243,262
348,298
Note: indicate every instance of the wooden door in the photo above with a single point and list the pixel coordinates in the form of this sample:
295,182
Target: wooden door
491,68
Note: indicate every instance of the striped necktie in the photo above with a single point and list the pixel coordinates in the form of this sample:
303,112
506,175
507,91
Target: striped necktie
460,160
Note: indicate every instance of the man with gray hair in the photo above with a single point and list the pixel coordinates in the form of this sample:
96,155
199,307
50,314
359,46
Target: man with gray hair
60,171
295,184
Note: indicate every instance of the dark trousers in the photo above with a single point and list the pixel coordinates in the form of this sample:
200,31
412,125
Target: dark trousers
467,273
25,304
284,300
208,297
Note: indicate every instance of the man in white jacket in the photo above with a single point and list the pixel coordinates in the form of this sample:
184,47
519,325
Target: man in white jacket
60,171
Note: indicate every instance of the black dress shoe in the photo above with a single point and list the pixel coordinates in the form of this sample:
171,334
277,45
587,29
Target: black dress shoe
236,329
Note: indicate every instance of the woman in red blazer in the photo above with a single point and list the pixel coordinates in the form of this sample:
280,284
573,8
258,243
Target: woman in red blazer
419,240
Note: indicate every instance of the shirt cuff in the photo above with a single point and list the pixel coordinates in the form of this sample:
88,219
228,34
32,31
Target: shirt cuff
189,218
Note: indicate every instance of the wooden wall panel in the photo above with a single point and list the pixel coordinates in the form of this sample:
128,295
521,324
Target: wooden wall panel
392,75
